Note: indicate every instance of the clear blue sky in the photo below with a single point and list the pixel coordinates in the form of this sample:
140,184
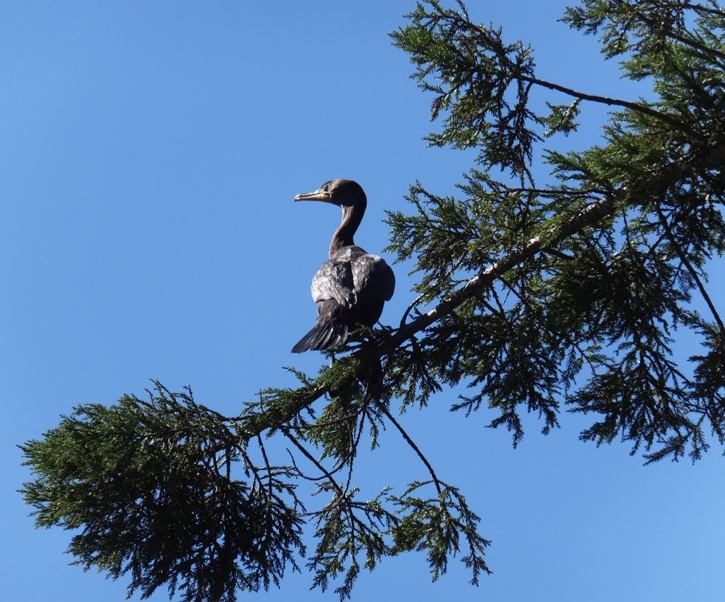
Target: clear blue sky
149,155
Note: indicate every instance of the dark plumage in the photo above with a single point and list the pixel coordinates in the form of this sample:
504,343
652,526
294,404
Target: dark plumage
350,288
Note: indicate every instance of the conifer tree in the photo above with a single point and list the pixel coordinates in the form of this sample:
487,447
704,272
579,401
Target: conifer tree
538,296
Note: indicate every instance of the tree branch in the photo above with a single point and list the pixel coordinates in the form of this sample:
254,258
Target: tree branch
615,102
588,216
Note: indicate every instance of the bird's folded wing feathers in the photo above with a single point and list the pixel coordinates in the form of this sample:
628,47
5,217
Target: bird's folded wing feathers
372,276
334,280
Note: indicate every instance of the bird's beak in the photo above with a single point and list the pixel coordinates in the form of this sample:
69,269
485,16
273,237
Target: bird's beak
317,195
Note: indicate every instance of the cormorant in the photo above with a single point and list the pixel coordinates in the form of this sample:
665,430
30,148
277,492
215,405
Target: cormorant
350,288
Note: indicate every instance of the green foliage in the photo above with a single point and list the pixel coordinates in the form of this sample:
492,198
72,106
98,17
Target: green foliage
570,304
435,525
346,530
536,297
561,119
480,82
151,486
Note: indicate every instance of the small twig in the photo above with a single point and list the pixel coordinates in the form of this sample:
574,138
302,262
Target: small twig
683,257
314,460
414,447
266,463
414,303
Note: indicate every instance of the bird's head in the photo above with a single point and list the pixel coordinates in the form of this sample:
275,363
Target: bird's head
343,193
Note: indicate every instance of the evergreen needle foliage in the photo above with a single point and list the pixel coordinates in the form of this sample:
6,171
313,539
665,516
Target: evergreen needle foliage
535,296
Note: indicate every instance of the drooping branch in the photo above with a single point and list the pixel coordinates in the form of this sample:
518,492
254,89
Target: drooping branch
691,270
414,447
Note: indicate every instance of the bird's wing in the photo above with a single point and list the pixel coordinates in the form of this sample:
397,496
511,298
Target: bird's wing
372,278
334,280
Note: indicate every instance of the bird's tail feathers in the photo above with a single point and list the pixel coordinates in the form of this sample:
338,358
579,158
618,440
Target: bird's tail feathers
324,336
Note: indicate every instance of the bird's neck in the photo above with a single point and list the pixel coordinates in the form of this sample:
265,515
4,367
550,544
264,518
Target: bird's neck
343,237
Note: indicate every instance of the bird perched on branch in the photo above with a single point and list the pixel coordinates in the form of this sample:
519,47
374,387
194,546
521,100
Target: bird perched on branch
350,288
